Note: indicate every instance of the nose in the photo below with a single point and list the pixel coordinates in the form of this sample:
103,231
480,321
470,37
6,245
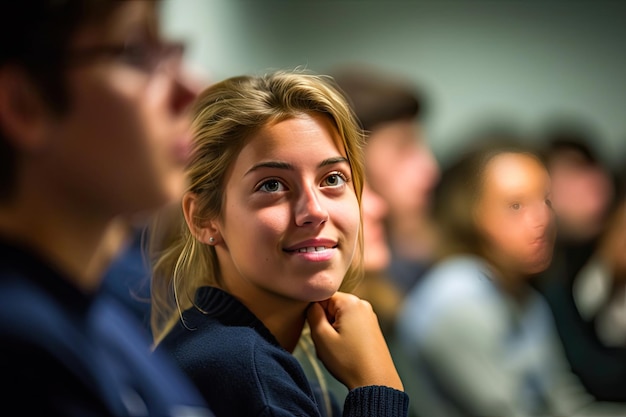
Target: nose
430,165
185,86
185,90
542,216
309,209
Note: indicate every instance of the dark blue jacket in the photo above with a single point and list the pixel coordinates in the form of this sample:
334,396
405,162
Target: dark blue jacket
242,371
64,353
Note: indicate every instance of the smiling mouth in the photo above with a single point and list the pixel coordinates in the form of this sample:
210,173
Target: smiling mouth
311,249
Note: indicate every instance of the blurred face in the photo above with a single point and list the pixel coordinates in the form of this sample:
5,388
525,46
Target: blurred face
581,194
376,251
290,220
514,214
122,145
401,167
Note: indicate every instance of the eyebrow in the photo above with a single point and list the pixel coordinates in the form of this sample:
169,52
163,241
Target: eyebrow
288,166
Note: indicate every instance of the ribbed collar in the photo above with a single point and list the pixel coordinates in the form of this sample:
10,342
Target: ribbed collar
216,303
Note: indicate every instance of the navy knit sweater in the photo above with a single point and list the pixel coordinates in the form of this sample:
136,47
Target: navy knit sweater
66,353
242,371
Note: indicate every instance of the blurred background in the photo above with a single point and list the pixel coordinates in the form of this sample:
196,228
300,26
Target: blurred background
520,63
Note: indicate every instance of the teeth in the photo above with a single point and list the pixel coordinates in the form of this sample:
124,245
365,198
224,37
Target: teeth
312,249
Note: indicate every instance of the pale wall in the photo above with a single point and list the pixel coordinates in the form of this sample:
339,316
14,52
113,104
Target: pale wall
523,61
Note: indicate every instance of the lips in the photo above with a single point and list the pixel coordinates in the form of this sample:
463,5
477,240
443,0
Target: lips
312,245
312,249
542,240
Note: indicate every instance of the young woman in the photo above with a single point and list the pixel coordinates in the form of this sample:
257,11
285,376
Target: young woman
271,234
480,341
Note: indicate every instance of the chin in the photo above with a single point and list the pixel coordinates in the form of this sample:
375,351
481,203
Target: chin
320,293
539,266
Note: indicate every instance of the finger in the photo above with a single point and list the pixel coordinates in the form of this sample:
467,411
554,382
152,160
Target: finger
316,316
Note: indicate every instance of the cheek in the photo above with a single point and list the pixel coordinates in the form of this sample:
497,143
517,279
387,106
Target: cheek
118,121
349,216
111,147
514,247
113,98
345,217
259,229
504,235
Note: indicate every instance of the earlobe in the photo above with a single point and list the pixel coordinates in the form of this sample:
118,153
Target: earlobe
202,229
23,114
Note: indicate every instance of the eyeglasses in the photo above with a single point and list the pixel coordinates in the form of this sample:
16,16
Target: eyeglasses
149,57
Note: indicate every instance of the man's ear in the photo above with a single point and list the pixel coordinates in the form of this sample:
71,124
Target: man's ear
204,230
23,113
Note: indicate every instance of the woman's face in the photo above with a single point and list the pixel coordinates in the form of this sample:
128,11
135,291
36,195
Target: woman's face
290,218
514,213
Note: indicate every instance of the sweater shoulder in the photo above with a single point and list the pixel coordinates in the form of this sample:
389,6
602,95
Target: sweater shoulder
225,360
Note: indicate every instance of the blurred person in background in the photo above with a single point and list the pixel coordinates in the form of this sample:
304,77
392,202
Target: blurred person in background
594,332
93,130
399,163
128,275
377,257
599,286
584,285
479,339
583,189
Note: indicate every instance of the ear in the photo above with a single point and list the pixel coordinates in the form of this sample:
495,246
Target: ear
23,113
204,230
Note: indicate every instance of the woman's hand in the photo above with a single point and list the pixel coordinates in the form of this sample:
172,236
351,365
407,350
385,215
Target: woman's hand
350,343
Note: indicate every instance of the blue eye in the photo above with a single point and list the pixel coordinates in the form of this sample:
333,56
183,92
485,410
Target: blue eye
335,179
271,186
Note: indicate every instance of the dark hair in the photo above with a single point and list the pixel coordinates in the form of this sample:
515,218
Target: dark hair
378,97
34,36
566,134
561,141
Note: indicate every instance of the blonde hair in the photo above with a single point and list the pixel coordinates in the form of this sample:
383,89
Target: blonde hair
225,115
